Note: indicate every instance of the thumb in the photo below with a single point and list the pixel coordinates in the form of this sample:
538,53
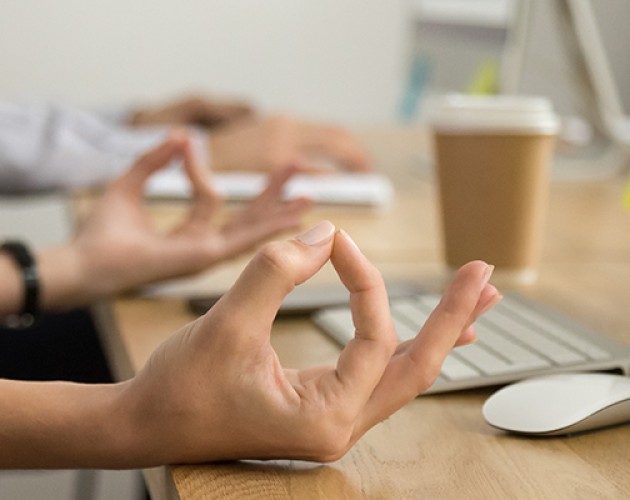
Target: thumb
275,270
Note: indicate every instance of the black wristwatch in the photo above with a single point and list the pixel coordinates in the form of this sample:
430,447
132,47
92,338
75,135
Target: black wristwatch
24,259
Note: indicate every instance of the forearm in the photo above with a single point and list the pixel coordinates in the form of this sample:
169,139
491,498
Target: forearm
48,146
63,425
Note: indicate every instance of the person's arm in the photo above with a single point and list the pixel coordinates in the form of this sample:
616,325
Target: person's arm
216,390
198,111
240,140
44,147
61,425
117,247
272,143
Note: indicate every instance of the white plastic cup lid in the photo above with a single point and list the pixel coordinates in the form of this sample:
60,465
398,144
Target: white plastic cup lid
496,113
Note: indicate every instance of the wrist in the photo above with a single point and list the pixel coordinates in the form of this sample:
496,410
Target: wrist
64,280
100,426
129,448
11,286
23,282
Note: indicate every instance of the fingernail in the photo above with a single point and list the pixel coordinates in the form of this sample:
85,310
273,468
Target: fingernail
487,275
318,234
491,302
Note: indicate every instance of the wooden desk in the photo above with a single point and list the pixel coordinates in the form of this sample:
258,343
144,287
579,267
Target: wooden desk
438,446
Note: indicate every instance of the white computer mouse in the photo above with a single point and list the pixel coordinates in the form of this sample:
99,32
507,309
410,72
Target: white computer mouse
560,404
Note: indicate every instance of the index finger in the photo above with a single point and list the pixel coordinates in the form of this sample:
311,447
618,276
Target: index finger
365,357
155,159
205,200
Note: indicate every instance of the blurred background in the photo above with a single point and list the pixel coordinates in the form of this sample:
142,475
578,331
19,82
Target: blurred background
361,63
344,61
356,62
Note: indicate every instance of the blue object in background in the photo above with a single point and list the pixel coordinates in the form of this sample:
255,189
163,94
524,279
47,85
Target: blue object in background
419,74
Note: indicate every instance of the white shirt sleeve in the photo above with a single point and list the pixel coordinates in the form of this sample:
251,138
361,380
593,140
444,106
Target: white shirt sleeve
43,147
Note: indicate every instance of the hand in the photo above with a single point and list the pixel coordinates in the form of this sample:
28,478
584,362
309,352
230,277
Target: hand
198,111
216,390
118,247
275,143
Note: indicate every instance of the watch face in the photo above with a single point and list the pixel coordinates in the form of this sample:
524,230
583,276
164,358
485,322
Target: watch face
24,259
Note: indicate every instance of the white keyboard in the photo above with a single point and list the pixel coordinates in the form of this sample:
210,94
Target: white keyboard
518,338
362,189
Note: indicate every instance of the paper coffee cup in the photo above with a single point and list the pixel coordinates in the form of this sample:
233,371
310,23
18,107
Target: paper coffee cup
492,156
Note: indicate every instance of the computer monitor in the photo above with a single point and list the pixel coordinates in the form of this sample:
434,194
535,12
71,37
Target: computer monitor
575,52
605,68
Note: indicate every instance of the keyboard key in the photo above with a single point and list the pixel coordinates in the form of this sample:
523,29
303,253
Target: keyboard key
409,310
483,360
430,300
537,342
340,322
557,331
520,358
454,369
405,332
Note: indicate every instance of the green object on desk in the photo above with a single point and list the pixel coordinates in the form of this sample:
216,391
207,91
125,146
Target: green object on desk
486,79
